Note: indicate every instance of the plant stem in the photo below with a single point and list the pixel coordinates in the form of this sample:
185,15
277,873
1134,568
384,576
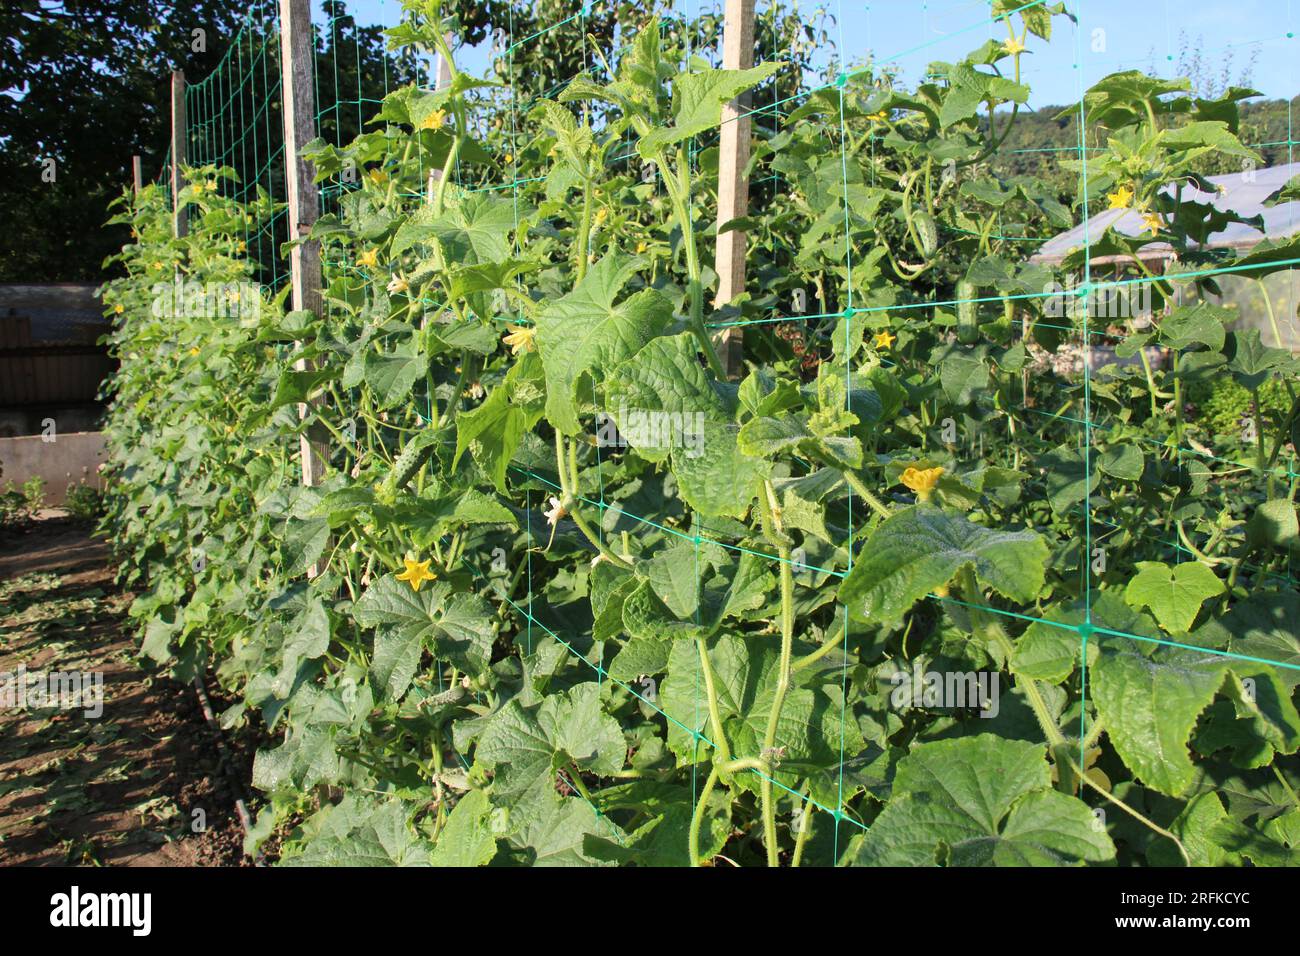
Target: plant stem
771,524
584,231
805,830
1151,825
679,198
715,714
866,494
697,817
827,646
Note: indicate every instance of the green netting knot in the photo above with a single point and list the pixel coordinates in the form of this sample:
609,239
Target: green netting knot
842,80
698,540
1085,630
848,313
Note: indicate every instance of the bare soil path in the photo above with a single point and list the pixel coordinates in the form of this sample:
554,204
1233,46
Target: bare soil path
139,785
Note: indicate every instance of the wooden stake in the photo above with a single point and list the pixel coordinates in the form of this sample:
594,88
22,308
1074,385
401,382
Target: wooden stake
180,152
299,111
137,174
733,187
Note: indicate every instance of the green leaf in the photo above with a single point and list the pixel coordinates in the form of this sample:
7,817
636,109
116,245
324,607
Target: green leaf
467,838
392,375
698,99
361,831
586,333
1199,324
963,377
1122,461
304,542
1264,626
1273,525
719,480
1150,700
921,548
475,230
526,746
555,832
294,387
456,627
1067,485
981,801
1050,652
492,432
1174,595
1253,361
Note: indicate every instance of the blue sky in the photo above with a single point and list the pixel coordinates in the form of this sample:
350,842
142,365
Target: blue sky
1112,35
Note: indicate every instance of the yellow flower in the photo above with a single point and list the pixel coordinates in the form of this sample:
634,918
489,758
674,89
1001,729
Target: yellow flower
1151,221
884,339
922,481
194,350
641,247
879,117
510,158
434,120
378,176
156,265
119,308
521,339
601,215
241,246
369,258
397,284
416,573
210,186
1121,197
1013,46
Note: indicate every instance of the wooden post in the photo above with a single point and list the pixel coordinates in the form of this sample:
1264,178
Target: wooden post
180,152
137,174
299,109
733,187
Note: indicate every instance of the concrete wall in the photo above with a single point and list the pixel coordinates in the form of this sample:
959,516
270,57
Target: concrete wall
72,458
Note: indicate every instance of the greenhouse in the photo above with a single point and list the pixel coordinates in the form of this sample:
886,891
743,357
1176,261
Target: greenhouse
649,434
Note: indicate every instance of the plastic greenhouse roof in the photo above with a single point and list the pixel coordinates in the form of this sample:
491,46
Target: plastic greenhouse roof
1240,193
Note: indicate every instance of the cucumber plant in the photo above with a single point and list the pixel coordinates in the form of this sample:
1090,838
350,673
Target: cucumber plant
583,599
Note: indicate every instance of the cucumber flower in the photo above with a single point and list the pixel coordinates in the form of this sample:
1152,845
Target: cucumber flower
1121,197
521,339
556,513
397,284
922,481
1151,221
369,258
1013,46
416,573
885,339
434,120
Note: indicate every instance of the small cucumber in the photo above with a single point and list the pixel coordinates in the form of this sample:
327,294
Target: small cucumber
927,232
417,451
967,319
